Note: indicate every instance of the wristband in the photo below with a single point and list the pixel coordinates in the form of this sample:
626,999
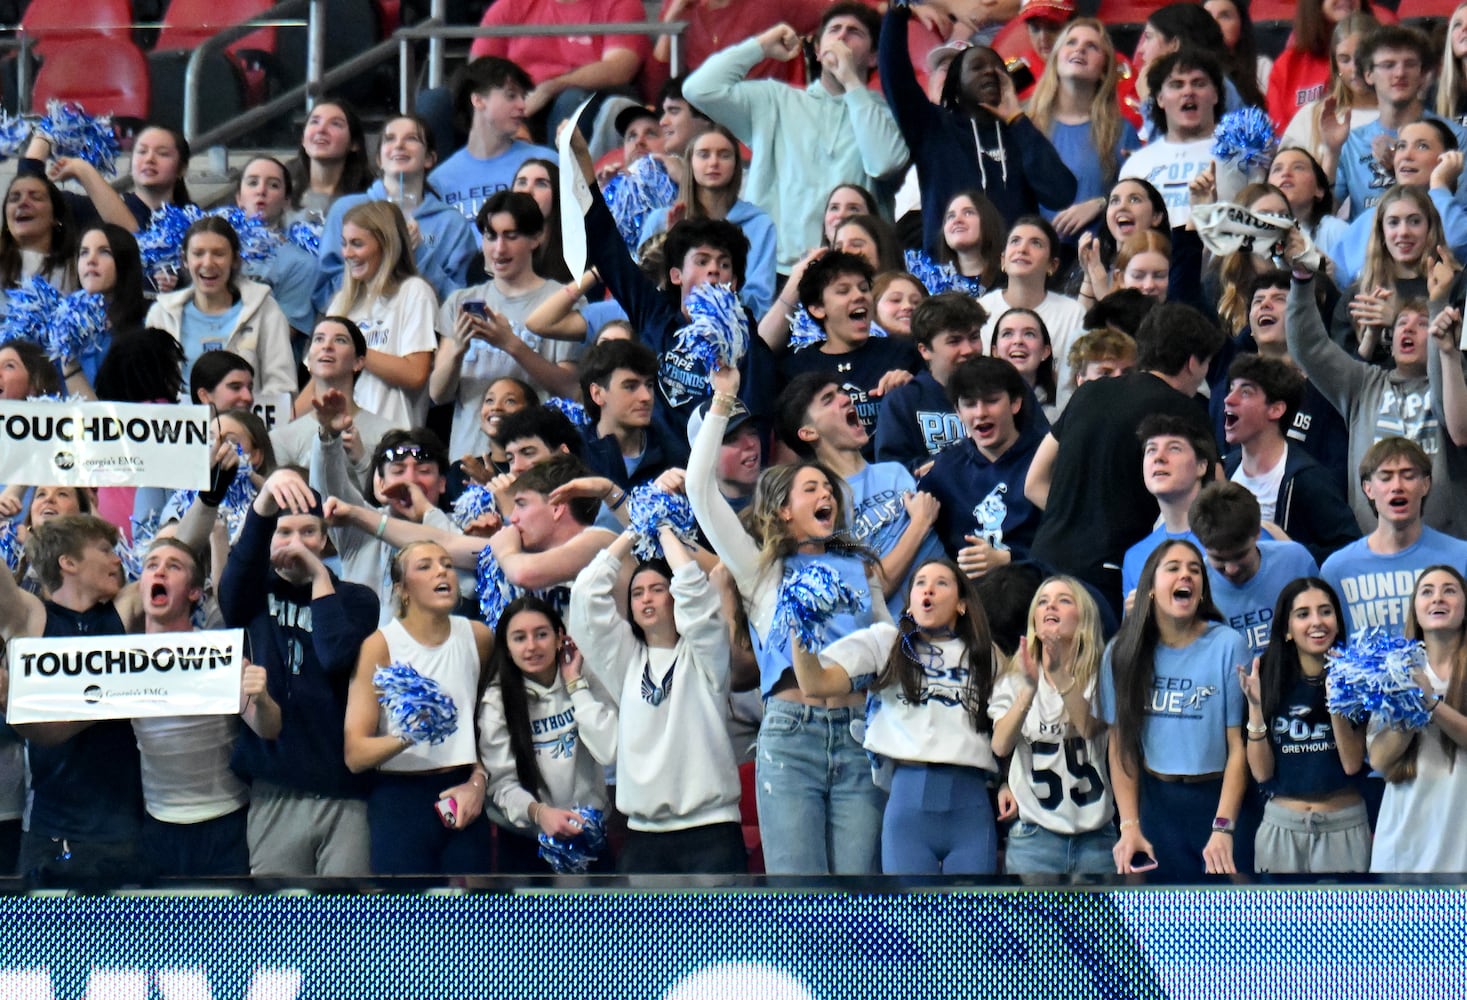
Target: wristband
1259,729
1434,704
1129,822
73,373
579,684
620,499
1222,824
381,527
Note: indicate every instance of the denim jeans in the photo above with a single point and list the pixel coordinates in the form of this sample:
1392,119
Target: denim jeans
819,812
939,821
1033,850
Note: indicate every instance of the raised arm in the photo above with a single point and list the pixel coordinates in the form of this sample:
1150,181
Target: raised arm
596,623
548,568
719,522
1339,377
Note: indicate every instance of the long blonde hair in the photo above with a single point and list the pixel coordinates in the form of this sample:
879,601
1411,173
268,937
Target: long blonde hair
1106,123
385,223
1380,267
1452,81
1089,639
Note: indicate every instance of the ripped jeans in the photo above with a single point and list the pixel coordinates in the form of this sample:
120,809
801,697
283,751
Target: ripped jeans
819,812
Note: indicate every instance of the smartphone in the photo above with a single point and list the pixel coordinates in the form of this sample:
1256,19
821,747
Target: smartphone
447,812
1021,73
1142,862
476,307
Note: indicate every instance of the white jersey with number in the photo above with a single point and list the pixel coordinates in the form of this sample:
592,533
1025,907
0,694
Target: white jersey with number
1056,775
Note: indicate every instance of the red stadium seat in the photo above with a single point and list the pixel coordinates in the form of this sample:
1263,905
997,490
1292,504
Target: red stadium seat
103,75
190,23
48,22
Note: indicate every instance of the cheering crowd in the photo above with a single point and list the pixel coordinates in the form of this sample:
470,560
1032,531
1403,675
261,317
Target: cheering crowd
960,473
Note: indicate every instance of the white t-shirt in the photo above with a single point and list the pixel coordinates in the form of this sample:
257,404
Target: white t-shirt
1171,167
1421,820
399,325
1056,775
185,768
485,363
1265,488
937,730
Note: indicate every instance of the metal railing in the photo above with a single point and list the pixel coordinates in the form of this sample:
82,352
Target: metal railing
319,80
273,17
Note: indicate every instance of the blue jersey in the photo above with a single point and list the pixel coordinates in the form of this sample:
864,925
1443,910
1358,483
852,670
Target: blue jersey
1376,589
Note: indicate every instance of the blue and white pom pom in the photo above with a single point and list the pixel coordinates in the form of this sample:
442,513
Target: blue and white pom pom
879,331
637,193
473,503
73,132
28,310
143,533
1245,139
1373,678
804,331
495,591
718,335
11,547
305,236
76,328
416,706
938,278
257,241
648,509
161,244
15,135
808,598
574,856
570,409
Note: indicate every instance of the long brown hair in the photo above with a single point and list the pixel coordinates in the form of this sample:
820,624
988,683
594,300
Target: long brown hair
1404,769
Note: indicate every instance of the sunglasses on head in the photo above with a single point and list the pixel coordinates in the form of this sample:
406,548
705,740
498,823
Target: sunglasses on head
403,452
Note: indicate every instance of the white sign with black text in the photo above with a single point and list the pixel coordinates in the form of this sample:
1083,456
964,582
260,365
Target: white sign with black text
104,444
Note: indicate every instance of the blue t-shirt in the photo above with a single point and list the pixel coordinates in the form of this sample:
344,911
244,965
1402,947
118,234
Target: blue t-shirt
773,650
465,182
879,518
1359,176
1195,698
1136,555
1072,143
200,333
1248,608
598,314
1376,589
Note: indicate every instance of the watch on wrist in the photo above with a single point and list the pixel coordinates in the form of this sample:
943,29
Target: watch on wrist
1221,824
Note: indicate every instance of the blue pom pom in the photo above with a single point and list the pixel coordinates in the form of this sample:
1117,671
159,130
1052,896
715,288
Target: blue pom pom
804,331
877,330
143,533
15,135
1374,677
76,328
416,706
938,278
495,592
648,509
257,241
573,411
473,503
808,598
1245,139
11,547
305,236
161,244
635,194
29,308
574,856
718,335
73,132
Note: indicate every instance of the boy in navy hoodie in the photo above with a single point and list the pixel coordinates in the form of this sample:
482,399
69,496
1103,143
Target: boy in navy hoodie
916,420
985,520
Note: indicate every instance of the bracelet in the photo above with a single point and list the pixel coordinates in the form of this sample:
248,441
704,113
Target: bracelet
1262,728
534,816
381,527
728,399
478,774
1436,703
621,499
1129,822
1066,692
1256,737
73,373
579,684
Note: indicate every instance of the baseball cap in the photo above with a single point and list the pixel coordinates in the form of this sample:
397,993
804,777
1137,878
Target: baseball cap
736,419
1058,11
626,116
939,55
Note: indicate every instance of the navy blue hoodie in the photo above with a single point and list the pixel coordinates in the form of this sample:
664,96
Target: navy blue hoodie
972,489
